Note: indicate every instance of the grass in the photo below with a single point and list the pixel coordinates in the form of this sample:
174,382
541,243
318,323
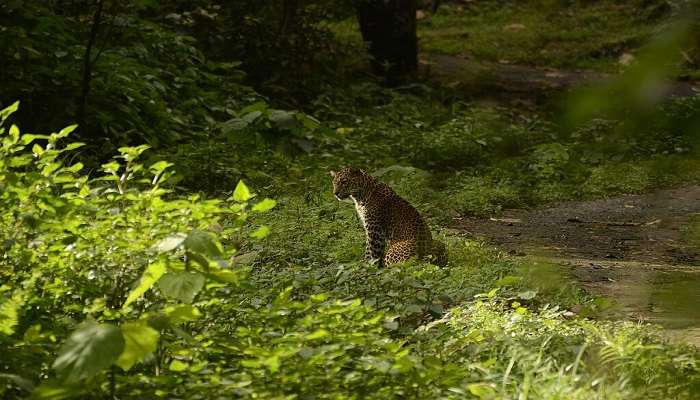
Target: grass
552,33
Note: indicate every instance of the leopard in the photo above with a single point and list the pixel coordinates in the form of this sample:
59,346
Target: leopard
387,219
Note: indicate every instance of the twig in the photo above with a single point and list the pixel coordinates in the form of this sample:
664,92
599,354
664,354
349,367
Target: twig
608,223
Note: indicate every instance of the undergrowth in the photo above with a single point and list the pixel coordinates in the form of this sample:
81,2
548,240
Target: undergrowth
121,284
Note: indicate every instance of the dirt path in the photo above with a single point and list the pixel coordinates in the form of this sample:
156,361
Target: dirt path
506,80
636,250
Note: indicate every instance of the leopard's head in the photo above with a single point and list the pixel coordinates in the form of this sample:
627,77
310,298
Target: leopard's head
350,181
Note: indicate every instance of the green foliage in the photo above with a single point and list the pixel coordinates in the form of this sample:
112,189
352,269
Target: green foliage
76,244
148,83
119,285
285,47
88,351
512,351
140,341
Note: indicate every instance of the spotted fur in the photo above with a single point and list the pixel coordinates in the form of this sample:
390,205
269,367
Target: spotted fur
387,218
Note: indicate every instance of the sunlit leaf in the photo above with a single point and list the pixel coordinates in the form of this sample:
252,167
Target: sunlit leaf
481,390
261,232
14,133
273,363
75,167
73,146
111,167
8,316
178,366
152,273
28,138
170,243
54,389
20,161
223,276
65,131
160,166
6,112
242,193
318,334
264,205
140,341
182,313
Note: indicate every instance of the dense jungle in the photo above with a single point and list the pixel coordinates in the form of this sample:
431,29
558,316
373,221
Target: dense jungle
170,223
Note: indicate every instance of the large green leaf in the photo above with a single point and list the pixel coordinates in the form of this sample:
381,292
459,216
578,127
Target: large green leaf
282,119
242,193
6,112
170,243
160,166
53,389
181,285
149,277
182,313
140,341
178,366
261,232
264,205
203,243
90,349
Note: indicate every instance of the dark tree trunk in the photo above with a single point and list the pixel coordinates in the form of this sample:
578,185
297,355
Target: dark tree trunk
87,64
289,14
389,29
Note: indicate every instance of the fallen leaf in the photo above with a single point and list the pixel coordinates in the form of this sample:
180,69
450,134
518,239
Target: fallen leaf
514,27
626,59
507,220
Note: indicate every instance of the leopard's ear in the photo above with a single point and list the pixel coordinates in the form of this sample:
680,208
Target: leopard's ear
332,173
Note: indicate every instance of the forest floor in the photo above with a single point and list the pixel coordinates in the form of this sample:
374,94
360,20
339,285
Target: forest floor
492,78
636,249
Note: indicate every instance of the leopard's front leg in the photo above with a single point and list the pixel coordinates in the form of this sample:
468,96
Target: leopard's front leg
374,248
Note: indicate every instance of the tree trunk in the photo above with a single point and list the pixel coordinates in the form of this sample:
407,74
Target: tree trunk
87,64
289,14
389,29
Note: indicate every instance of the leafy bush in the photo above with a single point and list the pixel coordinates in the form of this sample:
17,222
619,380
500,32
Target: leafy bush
118,285
510,351
149,84
74,247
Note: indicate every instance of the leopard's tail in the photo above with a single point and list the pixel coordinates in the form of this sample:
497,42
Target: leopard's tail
438,253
